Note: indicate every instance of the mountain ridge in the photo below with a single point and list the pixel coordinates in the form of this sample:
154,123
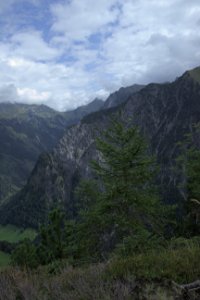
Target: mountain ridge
164,112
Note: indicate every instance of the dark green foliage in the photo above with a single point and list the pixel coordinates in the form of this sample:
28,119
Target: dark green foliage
88,192
50,244
176,260
142,242
122,202
25,255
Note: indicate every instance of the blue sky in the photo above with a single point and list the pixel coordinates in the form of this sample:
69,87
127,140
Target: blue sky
64,53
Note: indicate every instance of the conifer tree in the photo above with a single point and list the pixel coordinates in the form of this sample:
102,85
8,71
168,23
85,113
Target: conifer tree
52,244
126,203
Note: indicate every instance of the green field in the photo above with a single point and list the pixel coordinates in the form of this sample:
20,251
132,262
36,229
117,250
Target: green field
14,234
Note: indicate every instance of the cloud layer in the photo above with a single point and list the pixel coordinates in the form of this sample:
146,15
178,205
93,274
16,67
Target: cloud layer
64,53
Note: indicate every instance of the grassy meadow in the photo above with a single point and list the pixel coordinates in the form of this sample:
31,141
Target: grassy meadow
13,234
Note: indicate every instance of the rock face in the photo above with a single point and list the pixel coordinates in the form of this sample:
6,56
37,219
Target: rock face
164,112
25,132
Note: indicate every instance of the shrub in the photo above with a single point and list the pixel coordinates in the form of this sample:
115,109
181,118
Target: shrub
180,263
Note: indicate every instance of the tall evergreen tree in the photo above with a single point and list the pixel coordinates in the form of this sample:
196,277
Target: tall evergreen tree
123,201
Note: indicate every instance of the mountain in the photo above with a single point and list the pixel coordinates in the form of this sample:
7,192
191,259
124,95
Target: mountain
77,114
164,112
121,95
25,132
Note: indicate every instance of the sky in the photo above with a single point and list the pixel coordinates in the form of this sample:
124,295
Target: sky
65,53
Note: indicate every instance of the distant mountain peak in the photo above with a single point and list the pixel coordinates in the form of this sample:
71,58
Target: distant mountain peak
96,101
121,95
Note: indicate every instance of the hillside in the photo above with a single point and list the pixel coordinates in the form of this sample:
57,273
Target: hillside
164,112
25,132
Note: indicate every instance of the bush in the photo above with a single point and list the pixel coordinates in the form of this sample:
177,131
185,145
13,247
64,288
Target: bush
142,242
179,263
25,255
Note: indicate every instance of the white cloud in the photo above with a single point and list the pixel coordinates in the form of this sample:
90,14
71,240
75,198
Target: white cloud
77,50
79,19
30,45
153,36
33,95
53,84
